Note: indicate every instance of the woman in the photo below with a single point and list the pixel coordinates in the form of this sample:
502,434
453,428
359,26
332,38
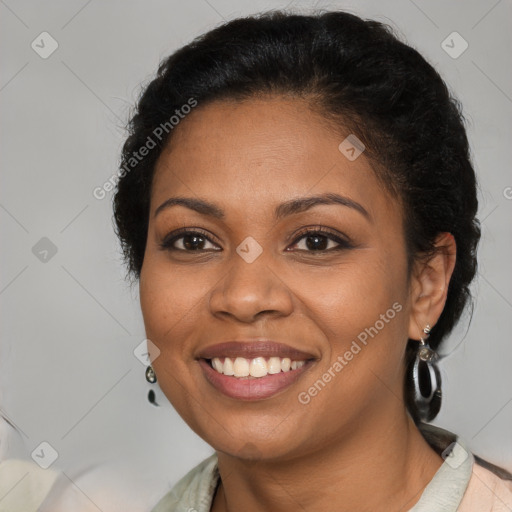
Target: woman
298,204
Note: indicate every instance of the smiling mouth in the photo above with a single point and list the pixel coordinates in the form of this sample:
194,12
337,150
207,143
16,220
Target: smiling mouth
255,368
253,379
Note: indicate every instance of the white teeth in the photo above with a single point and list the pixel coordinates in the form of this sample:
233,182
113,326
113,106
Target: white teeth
274,365
217,365
241,367
257,367
228,367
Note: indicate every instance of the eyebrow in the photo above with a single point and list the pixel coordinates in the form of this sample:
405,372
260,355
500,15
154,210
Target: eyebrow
285,209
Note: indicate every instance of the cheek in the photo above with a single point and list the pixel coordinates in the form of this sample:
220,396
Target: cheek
347,298
170,300
361,307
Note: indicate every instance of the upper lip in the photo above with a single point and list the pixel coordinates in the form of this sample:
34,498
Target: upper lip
250,350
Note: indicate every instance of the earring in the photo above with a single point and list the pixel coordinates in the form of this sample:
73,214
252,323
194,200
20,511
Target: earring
151,378
426,379
150,375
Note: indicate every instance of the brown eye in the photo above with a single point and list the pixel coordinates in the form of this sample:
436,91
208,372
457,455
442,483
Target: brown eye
187,241
319,240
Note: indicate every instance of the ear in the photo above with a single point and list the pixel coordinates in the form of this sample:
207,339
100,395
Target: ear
429,285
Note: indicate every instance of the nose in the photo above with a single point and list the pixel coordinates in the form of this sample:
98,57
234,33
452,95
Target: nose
251,290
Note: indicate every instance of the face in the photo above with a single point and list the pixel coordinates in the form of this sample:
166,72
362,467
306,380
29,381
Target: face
326,278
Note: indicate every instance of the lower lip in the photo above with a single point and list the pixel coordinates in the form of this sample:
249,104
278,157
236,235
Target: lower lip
251,388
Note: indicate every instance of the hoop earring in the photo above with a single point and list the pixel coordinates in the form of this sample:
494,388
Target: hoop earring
426,380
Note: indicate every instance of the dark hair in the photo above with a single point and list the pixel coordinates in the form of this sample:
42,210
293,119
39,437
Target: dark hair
358,74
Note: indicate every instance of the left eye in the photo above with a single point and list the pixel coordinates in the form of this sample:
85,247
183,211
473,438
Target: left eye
318,241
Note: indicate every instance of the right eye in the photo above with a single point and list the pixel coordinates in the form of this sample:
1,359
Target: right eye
190,240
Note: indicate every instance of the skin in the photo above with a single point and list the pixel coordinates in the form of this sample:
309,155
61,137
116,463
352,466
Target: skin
354,439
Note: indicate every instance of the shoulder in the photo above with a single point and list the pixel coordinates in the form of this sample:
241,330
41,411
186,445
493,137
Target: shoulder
486,491
482,487
194,491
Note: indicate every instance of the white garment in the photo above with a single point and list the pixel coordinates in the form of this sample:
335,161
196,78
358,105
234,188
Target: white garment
458,485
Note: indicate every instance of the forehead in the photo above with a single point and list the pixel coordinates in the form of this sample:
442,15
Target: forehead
260,151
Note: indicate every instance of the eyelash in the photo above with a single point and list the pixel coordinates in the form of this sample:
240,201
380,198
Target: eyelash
168,242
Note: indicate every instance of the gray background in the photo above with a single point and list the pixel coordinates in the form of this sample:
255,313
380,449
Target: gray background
70,324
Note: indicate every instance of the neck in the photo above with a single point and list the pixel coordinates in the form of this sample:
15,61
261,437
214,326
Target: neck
377,469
